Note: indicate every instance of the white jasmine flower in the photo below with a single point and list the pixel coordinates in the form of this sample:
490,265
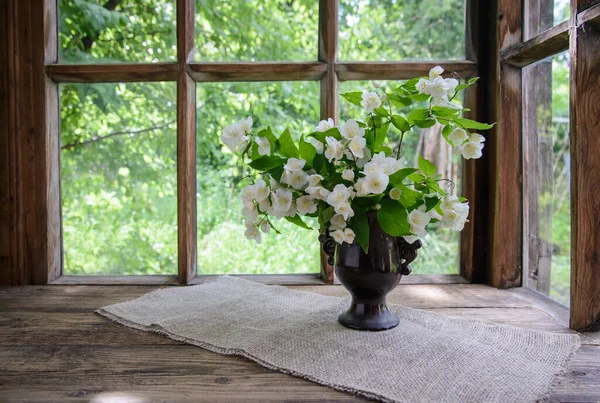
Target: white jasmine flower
251,213
350,129
439,89
395,193
356,146
476,138
360,191
265,226
325,125
281,200
306,205
263,206
370,101
338,236
338,221
435,72
335,149
233,137
296,179
274,184
348,174
471,150
249,192
292,211
376,84
246,125
423,86
314,180
264,147
451,84
383,96
316,144
253,233
418,220
447,104
345,210
294,164
339,195
458,136
375,182
361,162
349,235
454,212
261,191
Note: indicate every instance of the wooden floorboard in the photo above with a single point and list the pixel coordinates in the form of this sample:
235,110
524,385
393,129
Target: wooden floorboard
54,348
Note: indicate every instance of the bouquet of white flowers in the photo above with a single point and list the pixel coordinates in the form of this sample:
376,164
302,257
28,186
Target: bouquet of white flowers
339,173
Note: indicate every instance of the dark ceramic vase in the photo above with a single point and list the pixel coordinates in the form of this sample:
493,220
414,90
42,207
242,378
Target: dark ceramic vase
369,277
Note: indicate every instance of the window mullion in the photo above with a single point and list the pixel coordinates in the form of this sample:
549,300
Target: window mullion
186,145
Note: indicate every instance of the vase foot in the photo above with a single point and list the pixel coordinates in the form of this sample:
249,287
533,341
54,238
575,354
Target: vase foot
369,317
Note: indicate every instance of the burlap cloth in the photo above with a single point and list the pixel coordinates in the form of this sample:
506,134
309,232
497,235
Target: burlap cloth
429,357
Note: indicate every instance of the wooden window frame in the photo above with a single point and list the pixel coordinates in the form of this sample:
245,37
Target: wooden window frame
580,35
35,250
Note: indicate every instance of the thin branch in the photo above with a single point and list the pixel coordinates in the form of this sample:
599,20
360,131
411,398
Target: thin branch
100,138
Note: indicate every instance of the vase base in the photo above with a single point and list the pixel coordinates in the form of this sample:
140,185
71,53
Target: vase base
369,317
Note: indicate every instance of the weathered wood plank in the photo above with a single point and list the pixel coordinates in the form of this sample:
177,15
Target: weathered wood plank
186,146
108,73
400,70
116,280
590,15
585,177
548,43
260,71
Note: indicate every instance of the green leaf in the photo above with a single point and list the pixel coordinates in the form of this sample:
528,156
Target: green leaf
424,124
333,132
417,114
266,163
416,177
420,97
381,136
444,112
400,123
393,218
268,133
287,147
399,100
431,202
473,80
411,85
471,124
386,150
446,132
298,221
307,152
426,167
360,225
276,172
319,162
326,215
381,111
353,97
409,197
397,177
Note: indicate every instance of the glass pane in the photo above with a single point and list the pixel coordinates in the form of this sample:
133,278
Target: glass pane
222,247
397,30
544,14
99,31
440,251
119,178
546,129
256,30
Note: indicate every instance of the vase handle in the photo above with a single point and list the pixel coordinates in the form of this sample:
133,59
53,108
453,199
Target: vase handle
328,246
407,253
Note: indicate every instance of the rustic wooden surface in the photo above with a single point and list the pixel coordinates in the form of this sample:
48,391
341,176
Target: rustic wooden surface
585,175
122,72
258,71
54,348
548,43
400,71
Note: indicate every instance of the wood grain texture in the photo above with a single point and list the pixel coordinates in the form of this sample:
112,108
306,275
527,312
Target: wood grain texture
503,96
186,146
53,348
590,15
585,177
110,73
260,71
400,70
329,89
548,43
32,147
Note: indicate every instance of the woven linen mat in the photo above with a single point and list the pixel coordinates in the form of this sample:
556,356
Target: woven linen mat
429,357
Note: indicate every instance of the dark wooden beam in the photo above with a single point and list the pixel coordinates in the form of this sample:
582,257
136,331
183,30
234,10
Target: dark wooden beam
548,43
400,70
590,15
261,71
186,145
585,173
110,73
330,87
